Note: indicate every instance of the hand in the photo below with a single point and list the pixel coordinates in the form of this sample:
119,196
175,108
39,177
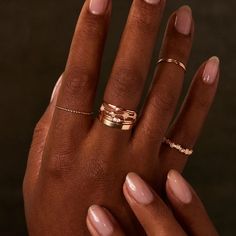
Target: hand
74,159
190,217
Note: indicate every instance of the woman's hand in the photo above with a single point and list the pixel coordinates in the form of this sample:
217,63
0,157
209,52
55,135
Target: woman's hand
76,160
189,218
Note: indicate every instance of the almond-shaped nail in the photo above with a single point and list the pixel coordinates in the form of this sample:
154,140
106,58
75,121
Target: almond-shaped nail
183,21
98,7
100,220
138,189
152,1
179,187
211,70
56,87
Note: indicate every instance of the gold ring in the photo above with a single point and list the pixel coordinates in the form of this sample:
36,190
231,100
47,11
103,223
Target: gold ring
186,151
117,117
170,60
74,111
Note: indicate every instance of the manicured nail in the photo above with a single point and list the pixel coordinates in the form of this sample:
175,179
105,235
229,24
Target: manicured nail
56,87
138,189
152,1
183,22
211,70
179,187
98,7
100,221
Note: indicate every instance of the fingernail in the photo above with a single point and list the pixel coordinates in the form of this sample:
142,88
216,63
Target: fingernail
98,7
179,187
56,87
100,220
211,70
138,189
183,22
152,1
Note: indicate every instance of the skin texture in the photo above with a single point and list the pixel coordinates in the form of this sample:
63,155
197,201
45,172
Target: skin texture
157,218
75,161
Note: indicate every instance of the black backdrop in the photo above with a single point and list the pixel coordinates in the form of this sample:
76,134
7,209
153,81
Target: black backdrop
34,42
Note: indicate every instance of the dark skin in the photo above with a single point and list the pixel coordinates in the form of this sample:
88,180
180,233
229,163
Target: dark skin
75,161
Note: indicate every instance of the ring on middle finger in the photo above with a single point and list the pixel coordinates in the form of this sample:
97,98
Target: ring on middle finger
117,117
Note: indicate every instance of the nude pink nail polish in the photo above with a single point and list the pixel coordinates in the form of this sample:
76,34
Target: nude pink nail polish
98,7
211,70
138,189
152,1
183,22
100,221
179,187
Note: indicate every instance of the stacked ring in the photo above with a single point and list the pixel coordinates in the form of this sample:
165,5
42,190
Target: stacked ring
116,117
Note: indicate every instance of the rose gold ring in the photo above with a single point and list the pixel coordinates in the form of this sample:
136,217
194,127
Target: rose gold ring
186,151
170,60
117,117
75,111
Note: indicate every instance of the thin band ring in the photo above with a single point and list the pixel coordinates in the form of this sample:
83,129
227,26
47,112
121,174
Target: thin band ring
170,60
178,147
75,111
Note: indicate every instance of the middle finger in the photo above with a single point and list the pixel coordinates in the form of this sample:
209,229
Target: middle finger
125,86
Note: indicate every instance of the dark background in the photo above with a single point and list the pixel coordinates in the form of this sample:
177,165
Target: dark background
34,40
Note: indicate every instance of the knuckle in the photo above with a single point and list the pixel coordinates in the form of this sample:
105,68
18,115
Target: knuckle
96,169
91,28
126,82
171,51
151,132
143,21
59,159
164,102
59,166
78,79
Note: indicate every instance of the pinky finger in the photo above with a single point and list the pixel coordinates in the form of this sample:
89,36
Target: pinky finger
101,223
192,116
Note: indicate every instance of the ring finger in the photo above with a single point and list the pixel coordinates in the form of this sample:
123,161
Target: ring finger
167,85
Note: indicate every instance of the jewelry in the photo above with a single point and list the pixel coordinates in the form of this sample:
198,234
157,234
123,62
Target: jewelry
178,147
116,117
170,60
74,111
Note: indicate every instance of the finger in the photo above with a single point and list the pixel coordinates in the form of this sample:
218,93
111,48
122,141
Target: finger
161,103
188,207
101,223
78,87
152,213
83,67
39,139
132,63
188,125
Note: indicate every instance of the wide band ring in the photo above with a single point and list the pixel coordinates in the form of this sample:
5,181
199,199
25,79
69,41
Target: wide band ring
117,117
170,60
178,147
